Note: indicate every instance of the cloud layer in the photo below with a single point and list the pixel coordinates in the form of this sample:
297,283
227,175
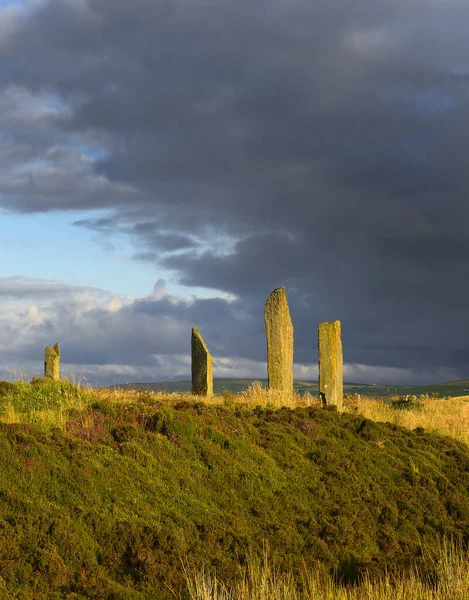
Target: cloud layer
113,340
318,145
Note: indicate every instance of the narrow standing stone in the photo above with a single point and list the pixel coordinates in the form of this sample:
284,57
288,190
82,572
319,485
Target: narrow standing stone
279,333
202,378
52,362
330,363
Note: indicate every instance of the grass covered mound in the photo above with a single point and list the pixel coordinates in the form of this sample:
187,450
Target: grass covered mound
113,505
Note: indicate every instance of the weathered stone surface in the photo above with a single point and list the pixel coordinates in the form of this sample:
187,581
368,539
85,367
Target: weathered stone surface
330,363
202,378
52,362
279,333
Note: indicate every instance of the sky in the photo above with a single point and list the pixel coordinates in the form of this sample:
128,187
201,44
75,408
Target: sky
167,163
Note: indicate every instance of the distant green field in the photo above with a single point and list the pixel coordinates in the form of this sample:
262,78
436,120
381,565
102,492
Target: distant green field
450,388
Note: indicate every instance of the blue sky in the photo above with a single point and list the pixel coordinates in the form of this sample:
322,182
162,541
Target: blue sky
50,246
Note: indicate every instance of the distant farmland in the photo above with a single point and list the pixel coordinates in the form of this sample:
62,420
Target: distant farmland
235,386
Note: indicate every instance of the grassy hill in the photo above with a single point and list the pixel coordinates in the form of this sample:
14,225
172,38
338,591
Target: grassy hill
115,501
451,388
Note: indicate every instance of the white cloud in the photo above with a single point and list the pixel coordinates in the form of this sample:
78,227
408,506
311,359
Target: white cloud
21,287
159,289
116,339
34,315
114,304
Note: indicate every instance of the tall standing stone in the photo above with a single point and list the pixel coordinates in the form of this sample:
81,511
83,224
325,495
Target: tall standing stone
330,363
52,362
202,378
279,333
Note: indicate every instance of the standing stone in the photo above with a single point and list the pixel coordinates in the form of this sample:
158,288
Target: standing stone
279,333
202,378
330,363
52,362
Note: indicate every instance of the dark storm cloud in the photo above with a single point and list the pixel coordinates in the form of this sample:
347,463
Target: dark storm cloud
230,328
101,224
149,234
249,268
320,145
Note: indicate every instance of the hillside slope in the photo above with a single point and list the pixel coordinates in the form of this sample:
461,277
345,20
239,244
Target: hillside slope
112,507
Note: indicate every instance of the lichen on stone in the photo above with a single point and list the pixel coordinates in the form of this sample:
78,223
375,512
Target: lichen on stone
279,334
201,365
330,364
52,362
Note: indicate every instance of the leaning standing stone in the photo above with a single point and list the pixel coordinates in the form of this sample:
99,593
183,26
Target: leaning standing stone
52,362
279,333
202,379
330,363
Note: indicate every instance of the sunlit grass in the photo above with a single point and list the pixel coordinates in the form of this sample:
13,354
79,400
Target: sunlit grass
43,403
262,581
258,395
445,416
255,395
148,428
48,404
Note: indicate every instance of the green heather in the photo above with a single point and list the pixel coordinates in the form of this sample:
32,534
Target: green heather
114,500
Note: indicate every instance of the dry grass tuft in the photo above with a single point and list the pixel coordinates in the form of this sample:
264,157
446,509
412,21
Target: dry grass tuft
445,416
257,394
262,581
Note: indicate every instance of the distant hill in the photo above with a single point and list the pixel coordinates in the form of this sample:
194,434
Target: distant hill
235,386
232,385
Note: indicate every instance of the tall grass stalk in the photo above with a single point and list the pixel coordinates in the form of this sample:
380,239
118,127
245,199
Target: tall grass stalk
446,416
43,403
257,394
262,581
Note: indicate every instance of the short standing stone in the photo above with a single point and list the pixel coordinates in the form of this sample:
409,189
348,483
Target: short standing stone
52,362
202,378
279,333
330,363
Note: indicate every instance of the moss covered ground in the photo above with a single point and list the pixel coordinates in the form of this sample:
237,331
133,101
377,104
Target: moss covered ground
114,502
